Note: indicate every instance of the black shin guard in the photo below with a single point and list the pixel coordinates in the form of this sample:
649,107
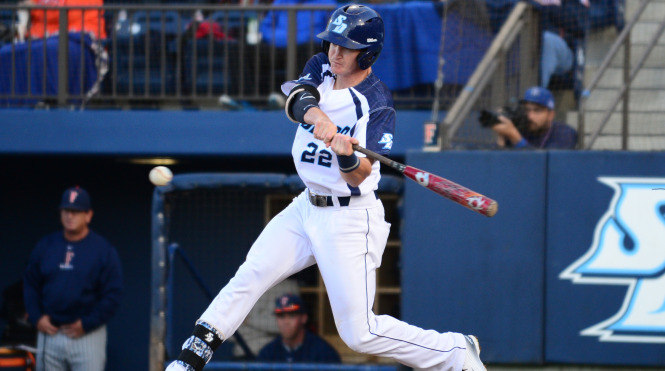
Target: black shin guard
197,350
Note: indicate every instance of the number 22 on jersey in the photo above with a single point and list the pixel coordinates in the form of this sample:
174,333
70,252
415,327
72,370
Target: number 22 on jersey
322,158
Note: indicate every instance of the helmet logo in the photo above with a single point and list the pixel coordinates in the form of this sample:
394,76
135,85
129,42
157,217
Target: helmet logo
372,40
339,22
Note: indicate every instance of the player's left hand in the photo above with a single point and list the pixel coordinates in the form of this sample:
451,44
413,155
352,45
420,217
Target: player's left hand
73,330
325,130
343,144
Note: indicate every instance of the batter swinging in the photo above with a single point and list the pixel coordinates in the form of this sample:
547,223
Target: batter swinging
337,222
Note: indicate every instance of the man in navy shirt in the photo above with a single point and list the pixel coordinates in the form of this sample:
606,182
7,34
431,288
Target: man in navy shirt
542,131
295,342
73,285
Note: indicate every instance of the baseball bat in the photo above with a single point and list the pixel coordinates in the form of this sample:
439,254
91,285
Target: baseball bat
442,186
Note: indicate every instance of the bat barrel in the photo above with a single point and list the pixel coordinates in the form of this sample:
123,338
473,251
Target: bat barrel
453,191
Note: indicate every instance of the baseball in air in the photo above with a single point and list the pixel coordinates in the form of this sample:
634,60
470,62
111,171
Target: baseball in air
160,175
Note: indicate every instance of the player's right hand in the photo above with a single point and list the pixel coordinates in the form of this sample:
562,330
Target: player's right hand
44,325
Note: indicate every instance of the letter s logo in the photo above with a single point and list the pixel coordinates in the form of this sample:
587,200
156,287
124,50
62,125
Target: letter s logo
339,22
627,249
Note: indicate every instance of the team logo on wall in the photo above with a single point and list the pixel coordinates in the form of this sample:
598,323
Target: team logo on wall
629,249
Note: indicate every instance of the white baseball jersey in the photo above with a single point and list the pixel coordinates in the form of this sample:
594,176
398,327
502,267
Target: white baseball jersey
364,112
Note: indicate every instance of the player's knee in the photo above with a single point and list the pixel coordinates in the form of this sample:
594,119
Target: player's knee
358,339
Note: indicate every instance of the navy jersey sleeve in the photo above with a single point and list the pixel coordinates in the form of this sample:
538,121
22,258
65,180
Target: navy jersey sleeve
312,74
380,130
32,285
110,292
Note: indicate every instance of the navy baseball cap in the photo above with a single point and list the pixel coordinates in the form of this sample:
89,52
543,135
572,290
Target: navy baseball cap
540,96
76,198
289,303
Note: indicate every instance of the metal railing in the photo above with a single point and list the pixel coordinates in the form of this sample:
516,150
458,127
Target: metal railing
507,69
628,76
174,55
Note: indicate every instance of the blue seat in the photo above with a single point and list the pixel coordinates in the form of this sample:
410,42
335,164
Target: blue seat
152,21
6,17
230,20
211,69
147,39
144,66
6,21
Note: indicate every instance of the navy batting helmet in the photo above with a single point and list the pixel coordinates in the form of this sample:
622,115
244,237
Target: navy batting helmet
355,27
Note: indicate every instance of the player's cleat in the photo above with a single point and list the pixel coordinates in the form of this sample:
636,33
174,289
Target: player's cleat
472,361
179,366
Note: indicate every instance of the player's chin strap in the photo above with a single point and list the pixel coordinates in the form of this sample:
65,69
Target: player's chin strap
301,98
197,350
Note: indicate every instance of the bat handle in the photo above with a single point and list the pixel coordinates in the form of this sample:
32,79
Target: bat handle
360,149
382,159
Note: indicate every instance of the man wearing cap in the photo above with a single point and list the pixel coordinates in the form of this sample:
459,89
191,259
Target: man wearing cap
73,285
542,131
295,342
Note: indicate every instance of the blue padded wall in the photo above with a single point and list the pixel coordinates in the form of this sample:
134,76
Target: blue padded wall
503,278
577,202
464,272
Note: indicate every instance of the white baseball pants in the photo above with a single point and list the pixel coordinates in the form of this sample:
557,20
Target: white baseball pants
347,244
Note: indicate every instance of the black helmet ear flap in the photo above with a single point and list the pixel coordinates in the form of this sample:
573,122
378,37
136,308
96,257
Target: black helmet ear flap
367,58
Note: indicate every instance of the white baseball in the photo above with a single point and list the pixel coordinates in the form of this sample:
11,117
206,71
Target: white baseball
160,175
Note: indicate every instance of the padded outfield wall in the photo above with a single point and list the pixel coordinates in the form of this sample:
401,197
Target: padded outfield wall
570,270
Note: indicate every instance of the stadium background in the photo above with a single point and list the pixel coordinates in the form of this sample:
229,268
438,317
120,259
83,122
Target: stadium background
494,277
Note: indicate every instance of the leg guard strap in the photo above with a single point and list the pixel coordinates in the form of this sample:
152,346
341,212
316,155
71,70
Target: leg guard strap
197,350
192,359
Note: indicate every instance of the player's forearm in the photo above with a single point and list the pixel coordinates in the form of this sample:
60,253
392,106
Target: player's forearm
357,176
315,115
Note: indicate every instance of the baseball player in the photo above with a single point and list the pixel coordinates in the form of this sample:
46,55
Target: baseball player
338,221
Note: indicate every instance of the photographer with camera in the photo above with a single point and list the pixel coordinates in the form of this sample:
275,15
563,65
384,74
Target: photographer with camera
532,124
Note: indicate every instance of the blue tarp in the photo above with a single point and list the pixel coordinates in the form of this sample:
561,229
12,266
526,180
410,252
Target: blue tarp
274,27
36,50
411,46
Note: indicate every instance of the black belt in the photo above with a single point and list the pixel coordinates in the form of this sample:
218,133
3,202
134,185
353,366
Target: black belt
322,201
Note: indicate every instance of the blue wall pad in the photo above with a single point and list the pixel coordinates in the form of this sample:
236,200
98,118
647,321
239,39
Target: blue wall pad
464,272
168,133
